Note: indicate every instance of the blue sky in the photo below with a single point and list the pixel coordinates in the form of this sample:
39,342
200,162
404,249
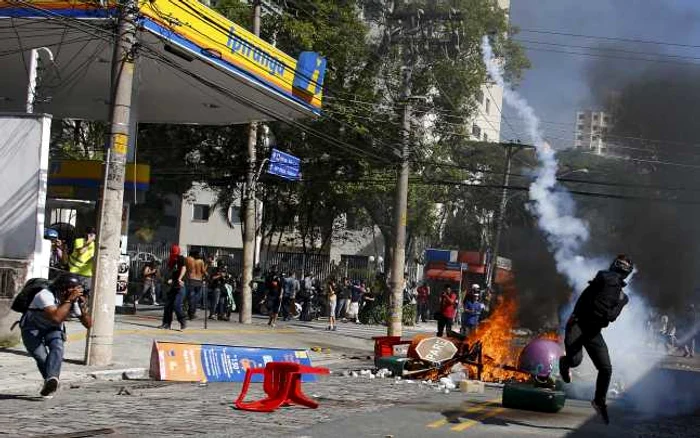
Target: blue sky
558,84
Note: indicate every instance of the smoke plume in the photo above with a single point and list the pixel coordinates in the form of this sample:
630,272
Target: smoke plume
566,234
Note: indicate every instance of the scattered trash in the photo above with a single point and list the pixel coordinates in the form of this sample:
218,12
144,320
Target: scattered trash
448,383
124,391
316,349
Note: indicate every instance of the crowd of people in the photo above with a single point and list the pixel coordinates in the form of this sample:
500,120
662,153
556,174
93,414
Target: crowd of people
184,283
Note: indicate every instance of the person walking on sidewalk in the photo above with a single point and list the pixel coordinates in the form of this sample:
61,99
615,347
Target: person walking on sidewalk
150,272
195,282
343,299
82,258
423,302
332,302
448,309
176,292
599,305
273,285
43,330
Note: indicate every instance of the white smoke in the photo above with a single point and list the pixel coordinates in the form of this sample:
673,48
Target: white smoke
554,209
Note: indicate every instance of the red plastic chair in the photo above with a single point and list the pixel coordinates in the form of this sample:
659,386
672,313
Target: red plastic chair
282,386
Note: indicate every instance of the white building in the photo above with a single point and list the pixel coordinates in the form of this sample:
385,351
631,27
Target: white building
486,125
592,128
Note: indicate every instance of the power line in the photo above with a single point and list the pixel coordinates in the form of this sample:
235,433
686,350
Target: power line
608,38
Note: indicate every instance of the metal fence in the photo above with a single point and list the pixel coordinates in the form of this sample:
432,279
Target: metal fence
352,266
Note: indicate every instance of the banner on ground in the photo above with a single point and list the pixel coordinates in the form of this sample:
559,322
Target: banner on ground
182,362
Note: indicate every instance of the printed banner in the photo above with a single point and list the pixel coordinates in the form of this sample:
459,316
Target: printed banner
217,363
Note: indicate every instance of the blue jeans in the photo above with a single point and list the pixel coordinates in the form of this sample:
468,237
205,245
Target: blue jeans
46,347
173,302
194,293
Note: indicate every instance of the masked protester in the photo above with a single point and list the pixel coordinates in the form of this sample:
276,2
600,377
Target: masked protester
599,305
43,331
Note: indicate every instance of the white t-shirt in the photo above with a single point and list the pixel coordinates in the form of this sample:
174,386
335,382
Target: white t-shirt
35,316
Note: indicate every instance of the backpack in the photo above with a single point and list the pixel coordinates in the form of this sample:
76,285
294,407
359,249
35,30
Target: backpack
24,298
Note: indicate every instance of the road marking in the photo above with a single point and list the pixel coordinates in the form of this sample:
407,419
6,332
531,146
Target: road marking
469,423
83,335
478,408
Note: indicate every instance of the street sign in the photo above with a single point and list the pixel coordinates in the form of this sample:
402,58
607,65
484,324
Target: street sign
284,165
436,349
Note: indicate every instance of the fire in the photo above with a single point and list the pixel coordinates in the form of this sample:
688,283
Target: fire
552,336
496,338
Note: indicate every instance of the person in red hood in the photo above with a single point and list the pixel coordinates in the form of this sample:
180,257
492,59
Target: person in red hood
176,293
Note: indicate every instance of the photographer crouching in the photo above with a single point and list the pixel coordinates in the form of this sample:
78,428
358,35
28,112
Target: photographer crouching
43,330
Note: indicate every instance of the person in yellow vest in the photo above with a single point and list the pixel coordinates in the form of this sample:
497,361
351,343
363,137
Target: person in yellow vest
82,259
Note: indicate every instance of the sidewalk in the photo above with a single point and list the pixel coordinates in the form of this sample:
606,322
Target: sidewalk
134,336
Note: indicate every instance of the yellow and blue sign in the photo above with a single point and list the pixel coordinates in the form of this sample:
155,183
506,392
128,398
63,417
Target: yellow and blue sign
209,35
89,174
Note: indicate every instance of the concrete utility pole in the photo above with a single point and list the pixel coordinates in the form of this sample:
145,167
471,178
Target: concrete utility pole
245,315
511,149
394,328
98,350
33,74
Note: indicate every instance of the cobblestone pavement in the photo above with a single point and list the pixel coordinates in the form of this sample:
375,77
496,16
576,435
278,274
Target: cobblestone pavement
145,408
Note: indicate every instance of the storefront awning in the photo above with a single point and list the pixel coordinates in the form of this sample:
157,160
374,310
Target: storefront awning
443,275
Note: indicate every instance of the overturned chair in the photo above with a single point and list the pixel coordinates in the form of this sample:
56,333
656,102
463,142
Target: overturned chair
282,386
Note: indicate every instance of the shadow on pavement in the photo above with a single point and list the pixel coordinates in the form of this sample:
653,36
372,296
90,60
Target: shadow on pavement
20,397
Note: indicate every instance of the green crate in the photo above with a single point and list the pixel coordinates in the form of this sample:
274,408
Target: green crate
529,397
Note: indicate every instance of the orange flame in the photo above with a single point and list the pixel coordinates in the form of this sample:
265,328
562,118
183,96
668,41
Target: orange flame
496,337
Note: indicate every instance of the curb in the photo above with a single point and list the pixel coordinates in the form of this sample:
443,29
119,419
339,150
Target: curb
120,374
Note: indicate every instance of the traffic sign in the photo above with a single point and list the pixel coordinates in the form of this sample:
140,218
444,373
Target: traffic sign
284,165
436,349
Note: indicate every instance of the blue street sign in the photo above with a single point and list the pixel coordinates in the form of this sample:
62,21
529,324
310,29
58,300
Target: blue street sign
284,165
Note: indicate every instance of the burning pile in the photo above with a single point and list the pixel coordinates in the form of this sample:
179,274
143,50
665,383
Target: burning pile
496,337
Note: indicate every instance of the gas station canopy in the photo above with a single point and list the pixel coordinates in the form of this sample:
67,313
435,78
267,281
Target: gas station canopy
193,66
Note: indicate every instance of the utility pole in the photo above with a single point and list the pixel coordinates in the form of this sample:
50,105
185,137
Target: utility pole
33,73
394,326
245,315
98,349
511,149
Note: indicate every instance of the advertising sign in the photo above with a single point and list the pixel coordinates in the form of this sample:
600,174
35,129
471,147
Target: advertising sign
217,363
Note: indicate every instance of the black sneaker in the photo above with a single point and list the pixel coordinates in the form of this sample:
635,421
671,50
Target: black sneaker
564,370
49,388
602,410
183,324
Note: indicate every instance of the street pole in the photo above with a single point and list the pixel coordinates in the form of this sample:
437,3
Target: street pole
33,74
394,326
98,348
245,315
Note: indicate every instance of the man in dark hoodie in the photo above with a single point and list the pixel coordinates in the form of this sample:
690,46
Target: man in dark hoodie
599,305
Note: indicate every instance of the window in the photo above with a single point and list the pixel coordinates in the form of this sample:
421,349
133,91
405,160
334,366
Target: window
487,106
579,137
595,117
476,131
581,116
200,213
233,216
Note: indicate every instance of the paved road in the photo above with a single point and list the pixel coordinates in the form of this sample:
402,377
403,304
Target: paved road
350,407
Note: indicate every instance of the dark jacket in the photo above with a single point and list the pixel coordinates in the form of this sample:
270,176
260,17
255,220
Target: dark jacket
602,301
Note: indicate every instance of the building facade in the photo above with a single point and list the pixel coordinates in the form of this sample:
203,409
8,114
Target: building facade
592,128
486,125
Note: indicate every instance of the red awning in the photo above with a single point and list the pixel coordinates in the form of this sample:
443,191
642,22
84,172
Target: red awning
443,274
